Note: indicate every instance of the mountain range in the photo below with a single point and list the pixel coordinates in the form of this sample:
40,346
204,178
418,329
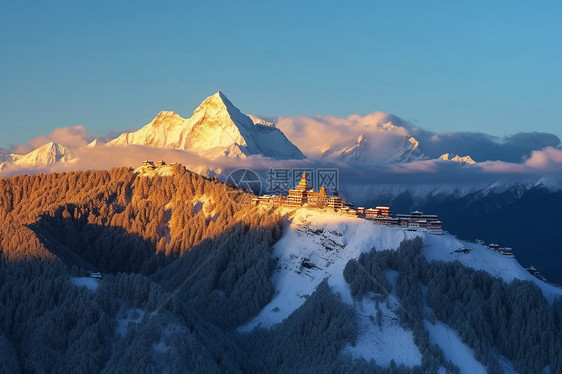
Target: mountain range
457,158
218,129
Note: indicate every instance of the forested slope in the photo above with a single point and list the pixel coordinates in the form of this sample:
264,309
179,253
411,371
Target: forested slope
130,228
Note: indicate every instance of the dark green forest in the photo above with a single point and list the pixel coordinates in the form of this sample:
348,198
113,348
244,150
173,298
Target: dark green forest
185,262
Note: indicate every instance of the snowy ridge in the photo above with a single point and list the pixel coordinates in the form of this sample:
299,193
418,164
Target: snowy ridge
325,242
359,140
317,245
548,184
418,192
422,192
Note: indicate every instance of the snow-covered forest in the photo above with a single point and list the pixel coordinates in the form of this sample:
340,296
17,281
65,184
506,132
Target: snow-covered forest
185,263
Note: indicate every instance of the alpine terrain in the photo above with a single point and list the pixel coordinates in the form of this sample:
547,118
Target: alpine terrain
216,128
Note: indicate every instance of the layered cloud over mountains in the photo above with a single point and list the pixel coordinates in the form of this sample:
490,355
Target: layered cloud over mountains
309,132
372,139
484,147
375,148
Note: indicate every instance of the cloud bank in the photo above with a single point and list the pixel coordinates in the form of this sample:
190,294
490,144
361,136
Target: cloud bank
72,137
328,136
516,157
310,134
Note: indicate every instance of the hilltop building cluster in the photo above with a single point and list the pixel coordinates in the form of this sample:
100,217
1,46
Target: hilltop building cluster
303,195
154,165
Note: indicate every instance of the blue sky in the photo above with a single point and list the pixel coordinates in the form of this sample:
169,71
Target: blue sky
494,67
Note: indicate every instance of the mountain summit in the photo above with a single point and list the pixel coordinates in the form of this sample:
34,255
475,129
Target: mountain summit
47,154
456,158
216,128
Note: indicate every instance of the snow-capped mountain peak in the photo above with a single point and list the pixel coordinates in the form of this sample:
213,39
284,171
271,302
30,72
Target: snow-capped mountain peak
47,154
216,128
95,143
218,107
354,152
366,151
456,158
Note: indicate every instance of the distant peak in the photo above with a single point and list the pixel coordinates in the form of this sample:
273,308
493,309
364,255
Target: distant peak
55,147
414,142
95,143
456,158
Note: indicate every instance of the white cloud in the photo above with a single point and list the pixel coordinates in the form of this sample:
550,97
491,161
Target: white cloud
72,137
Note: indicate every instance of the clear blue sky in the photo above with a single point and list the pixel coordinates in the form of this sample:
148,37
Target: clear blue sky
484,66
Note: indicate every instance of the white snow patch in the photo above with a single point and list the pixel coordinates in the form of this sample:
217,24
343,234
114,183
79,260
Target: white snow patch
453,347
207,205
90,283
385,343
